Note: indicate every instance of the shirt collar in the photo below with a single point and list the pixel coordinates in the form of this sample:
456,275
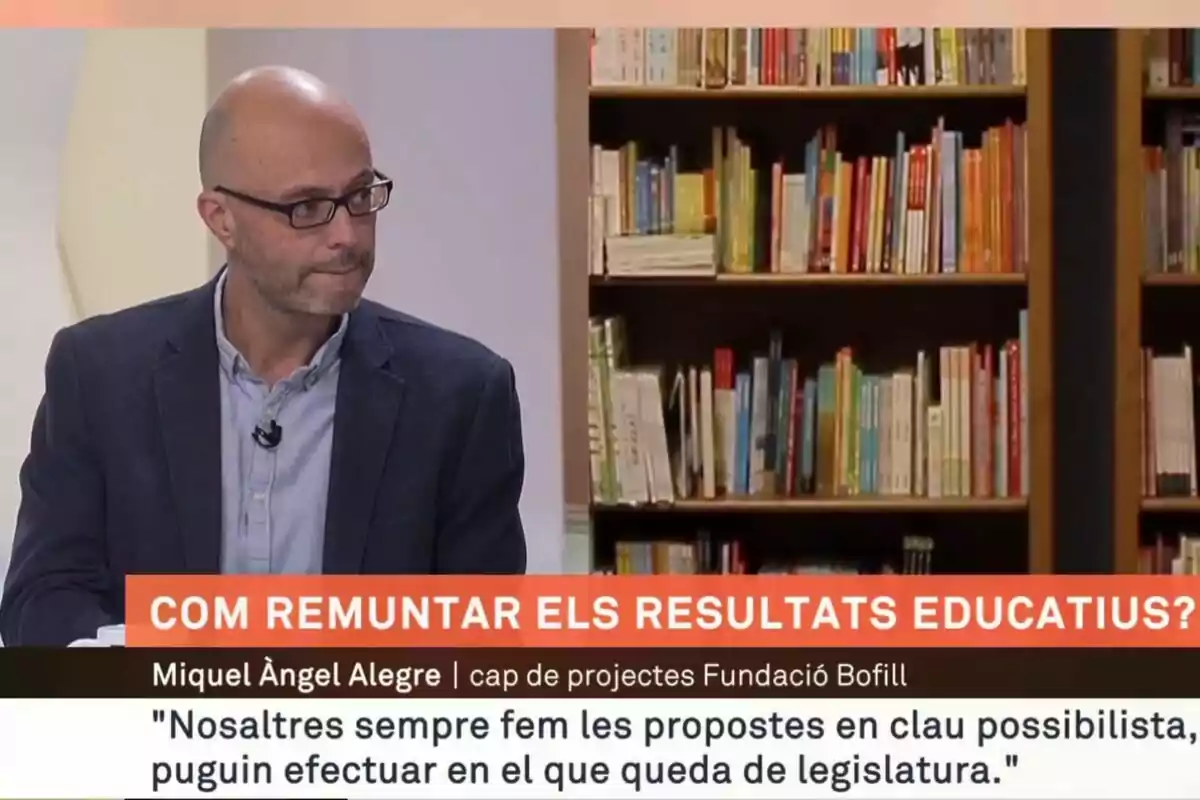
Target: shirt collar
232,362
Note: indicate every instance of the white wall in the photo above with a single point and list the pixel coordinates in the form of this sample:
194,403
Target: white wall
97,209
31,280
128,215
464,121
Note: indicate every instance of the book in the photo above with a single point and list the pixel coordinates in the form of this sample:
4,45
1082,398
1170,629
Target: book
719,58
766,425
936,206
709,554
1172,57
1168,423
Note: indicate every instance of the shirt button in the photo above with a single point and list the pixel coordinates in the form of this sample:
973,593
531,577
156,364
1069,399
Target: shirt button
260,496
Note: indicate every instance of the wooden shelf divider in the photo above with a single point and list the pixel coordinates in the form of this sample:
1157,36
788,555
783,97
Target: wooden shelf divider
1041,304
1176,505
823,505
1171,279
1170,93
775,280
1127,441
792,93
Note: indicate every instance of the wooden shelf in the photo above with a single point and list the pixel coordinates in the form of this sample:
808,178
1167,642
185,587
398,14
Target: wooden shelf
809,92
817,505
1172,279
820,279
1171,504
1174,93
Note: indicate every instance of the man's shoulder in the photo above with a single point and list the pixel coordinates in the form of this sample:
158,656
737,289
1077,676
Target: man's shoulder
140,328
430,348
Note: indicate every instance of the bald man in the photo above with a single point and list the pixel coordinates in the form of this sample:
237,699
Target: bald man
271,421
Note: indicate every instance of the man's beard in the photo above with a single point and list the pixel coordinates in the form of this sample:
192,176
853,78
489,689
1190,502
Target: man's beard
290,289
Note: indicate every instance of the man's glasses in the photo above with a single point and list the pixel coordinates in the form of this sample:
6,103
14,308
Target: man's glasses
314,212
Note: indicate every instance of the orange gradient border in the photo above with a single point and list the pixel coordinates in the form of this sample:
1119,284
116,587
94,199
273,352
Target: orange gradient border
677,615
554,13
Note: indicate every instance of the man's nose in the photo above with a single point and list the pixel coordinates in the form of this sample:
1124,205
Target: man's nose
341,232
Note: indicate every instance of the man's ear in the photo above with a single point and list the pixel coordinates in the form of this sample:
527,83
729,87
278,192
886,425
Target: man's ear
214,210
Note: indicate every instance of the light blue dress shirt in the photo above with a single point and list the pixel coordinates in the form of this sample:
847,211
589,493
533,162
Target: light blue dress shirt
274,500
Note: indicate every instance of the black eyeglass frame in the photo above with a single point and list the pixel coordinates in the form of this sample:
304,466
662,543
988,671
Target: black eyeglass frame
288,209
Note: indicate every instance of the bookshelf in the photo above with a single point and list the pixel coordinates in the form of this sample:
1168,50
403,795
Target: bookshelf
1156,506
796,293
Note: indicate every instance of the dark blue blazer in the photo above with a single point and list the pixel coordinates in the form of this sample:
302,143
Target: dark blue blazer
123,474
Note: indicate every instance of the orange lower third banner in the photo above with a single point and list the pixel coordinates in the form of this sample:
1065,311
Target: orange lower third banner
661,611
